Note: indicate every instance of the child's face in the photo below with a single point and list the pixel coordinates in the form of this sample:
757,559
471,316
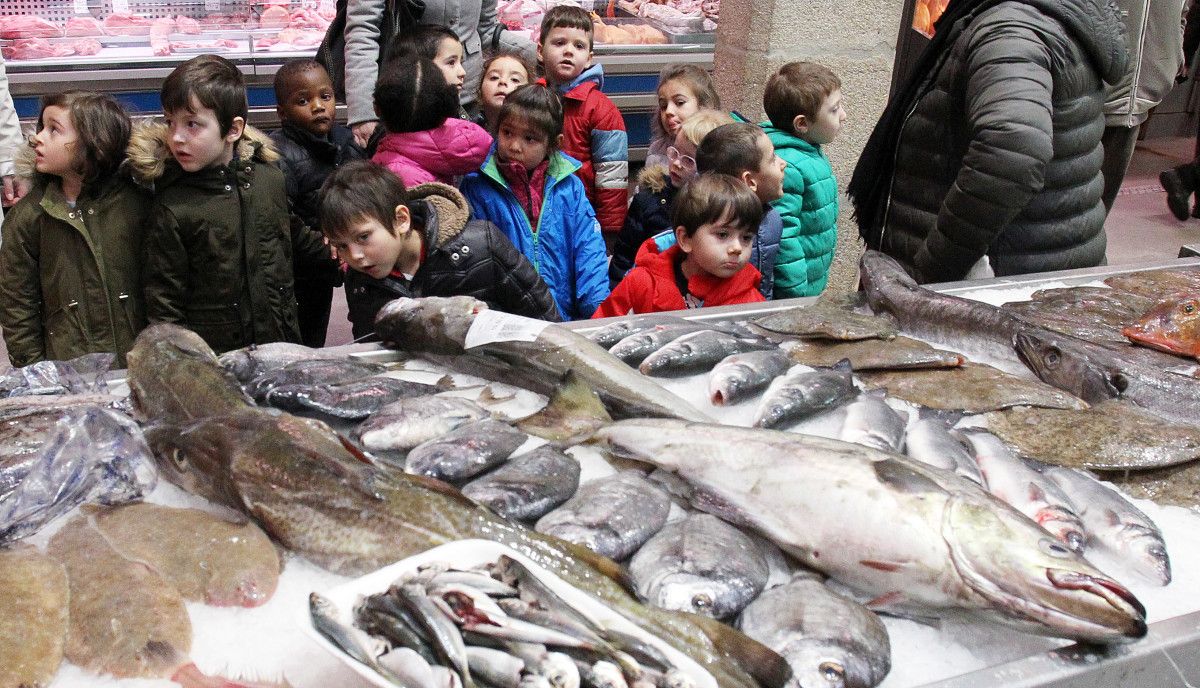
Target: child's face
682,162
827,123
564,54
676,102
368,247
449,59
767,180
517,140
195,139
717,248
54,144
309,103
503,76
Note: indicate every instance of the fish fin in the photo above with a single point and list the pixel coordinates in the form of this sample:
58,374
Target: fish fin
190,676
574,411
885,601
438,486
903,477
886,566
489,396
843,366
354,451
444,383
764,664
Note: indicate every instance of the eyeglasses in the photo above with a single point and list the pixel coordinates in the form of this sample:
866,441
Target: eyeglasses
687,162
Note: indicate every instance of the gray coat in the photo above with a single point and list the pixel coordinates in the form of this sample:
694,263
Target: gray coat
1154,30
474,21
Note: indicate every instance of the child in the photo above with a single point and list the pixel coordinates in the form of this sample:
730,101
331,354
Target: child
425,139
743,150
219,253
650,211
593,130
716,217
420,243
503,72
441,45
528,188
311,145
70,262
683,90
803,100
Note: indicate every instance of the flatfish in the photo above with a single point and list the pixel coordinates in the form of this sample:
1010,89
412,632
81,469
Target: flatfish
1175,485
900,353
829,319
971,388
1156,284
33,617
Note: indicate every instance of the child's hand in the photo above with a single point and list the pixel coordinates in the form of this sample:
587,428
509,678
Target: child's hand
362,132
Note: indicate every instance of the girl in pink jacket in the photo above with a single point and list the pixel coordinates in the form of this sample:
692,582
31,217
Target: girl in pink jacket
425,140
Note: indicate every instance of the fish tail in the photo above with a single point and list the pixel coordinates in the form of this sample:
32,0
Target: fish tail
190,676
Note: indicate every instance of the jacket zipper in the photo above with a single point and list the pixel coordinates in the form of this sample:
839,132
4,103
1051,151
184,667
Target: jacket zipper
887,206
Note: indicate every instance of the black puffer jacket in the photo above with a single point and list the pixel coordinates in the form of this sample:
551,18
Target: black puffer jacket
463,257
1001,151
649,213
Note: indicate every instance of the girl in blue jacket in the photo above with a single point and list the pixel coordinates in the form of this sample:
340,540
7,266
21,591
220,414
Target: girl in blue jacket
528,188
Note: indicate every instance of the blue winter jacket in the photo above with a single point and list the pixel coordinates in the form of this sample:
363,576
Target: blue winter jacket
566,249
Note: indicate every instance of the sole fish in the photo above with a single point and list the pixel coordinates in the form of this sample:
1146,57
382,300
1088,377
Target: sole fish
970,388
901,353
33,617
802,393
829,319
529,485
1176,485
611,516
741,376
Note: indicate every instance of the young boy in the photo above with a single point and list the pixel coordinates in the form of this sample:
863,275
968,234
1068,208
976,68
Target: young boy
803,101
219,250
716,217
743,150
421,244
311,145
593,130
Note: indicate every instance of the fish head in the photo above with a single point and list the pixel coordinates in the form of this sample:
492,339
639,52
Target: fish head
1031,580
819,662
687,592
1172,325
1066,364
174,376
195,456
435,324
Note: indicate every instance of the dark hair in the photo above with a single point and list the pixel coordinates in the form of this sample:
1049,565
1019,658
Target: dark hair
798,88
412,94
290,70
538,105
360,190
214,82
103,127
566,17
730,149
697,79
714,197
530,69
422,39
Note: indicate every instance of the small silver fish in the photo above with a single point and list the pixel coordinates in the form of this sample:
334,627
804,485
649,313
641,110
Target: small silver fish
802,393
931,442
739,376
871,422
403,424
697,352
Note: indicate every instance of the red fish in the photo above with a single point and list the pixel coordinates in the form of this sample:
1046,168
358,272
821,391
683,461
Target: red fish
1172,325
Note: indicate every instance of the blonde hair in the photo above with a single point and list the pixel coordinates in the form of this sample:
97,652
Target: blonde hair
698,125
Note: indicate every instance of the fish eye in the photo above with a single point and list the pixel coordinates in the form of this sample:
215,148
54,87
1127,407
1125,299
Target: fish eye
832,671
1054,548
1189,307
1053,356
702,601
178,458
1120,383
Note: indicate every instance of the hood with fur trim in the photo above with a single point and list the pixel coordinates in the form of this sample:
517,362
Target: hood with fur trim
439,207
149,154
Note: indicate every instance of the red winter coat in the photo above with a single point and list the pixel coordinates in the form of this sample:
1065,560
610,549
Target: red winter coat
650,285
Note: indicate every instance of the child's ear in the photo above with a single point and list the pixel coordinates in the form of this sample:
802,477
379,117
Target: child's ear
748,177
800,124
402,222
682,238
539,50
236,129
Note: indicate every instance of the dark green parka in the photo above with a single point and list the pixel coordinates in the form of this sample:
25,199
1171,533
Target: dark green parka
219,253
70,278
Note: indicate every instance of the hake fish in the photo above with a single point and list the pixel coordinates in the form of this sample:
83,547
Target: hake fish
698,352
33,617
611,516
802,393
912,537
528,485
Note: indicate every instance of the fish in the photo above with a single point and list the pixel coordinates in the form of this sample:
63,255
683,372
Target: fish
325,371
870,421
1112,435
205,557
970,388
573,412
698,352
1026,490
252,361
192,386
931,442
466,451
404,424
529,485
1171,325
1093,313
536,358
827,639
700,565
739,376
495,667
900,353
828,318
350,400
608,335
612,516
354,642
911,537
309,489
1155,284
1177,485
16,407
634,348
1115,525
33,617
801,393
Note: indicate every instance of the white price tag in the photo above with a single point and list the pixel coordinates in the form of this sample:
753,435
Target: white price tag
81,7
212,5
120,6
497,326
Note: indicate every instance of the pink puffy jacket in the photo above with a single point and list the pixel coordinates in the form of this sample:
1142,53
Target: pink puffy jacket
436,155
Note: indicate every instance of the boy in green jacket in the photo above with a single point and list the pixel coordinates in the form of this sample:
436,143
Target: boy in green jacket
803,101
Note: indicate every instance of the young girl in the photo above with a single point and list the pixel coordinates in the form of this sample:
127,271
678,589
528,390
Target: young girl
683,90
70,262
503,72
425,140
650,211
441,45
716,217
529,189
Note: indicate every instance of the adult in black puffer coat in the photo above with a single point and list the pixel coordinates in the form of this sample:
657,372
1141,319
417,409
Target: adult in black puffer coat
993,147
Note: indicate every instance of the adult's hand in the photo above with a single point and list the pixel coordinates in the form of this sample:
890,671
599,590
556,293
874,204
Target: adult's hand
362,132
14,189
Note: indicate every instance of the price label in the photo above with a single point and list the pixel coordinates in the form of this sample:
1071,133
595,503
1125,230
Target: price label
497,326
212,5
120,6
81,7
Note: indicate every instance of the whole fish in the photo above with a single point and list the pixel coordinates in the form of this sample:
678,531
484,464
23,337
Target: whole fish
536,358
931,442
608,335
871,422
33,617
901,353
827,639
328,371
1175,485
1026,490
701,565
15,407
404,424
634,348
912,537
1172,325
698,352
528,485
970,388
573,412
1115,525
307,489
350,400
1153,284
740,376
466,451
254,360
802,393
611,516
829,319
193,385
359,645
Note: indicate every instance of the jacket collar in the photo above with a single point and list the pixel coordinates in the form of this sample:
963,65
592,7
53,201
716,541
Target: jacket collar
442,211
702,285
150,159
591,78
561,167
786,139
325,145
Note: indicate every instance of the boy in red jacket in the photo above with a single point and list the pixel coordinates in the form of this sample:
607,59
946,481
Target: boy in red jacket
593,130
716,217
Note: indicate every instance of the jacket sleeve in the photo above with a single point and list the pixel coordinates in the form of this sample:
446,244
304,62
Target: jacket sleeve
10,127
591,263
308,245
1011,129
1191,34
20,291
166,274
508,40
624,297
789,272
610,160
364,19
522,290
